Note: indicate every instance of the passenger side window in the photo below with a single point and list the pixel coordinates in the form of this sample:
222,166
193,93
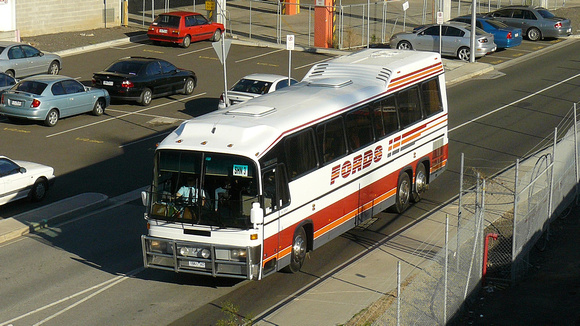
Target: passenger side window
359,130
385,119
529,15
409,106
431,97
167,67
454,32
153,69
189,21
331,142
300,153
30,51
57,89
72,86
434,30
15,53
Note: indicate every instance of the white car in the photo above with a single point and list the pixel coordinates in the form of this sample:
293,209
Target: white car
21,179
254,85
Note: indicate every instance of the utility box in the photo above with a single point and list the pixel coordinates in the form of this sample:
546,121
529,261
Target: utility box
323,23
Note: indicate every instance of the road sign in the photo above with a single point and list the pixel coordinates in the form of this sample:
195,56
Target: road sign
290,42
217,46
440,17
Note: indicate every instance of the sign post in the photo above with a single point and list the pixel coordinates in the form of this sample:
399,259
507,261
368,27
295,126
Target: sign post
289,47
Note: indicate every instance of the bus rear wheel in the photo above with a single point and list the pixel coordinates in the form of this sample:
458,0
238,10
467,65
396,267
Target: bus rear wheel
298,253
403,193
420,183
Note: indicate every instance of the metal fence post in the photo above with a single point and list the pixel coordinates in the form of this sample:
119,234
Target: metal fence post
515,218
446,268
459,209
398,293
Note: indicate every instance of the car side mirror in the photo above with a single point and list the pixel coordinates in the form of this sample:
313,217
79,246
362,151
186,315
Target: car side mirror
22,170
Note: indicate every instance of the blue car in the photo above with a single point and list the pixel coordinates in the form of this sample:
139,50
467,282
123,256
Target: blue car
51,97
504,36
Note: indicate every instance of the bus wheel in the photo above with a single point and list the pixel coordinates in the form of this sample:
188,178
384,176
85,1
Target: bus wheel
403,193
298,251
420,183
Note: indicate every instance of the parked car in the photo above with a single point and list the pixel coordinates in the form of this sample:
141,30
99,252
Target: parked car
184,27
455,40
49,98
254,85
6,81
21,60
21,179
536,22
504,36
140,79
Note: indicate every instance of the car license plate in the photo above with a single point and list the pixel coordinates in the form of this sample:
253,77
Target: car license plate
107,83
16,103
197,264
164,31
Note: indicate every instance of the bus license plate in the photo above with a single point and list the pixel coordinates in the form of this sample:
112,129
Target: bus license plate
197,264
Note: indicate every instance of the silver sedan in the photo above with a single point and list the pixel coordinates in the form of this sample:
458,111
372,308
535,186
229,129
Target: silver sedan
49,98
455,40
21,60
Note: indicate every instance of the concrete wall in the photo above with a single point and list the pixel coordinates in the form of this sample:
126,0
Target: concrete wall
36,17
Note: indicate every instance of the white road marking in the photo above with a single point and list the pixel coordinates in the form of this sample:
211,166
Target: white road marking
190,52
259,55
124,115
514,102
312,64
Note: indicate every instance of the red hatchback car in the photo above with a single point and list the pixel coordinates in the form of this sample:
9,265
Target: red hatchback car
184,27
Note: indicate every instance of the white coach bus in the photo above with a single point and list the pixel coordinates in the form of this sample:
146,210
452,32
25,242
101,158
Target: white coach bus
249,190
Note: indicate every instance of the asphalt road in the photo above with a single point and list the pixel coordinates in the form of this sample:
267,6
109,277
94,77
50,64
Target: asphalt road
88,271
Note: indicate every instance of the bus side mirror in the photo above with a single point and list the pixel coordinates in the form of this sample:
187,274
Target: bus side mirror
256,214
145,197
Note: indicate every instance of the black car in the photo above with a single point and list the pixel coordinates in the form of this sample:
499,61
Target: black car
140,79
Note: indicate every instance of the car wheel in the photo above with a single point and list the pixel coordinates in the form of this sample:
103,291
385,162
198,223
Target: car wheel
217,35
186,42
99,108
189,86
463,54
39,189
54,68
10,73
403,195
534,34
146,97
404,45
51,118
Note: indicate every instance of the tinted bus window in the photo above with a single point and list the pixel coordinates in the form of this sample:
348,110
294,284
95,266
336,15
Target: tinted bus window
384,113
409,106
300,153
331,140
359,130
431,97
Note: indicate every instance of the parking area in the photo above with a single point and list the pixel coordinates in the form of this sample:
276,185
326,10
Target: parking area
527,47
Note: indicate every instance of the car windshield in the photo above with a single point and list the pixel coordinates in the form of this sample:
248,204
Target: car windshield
496,24
252,86
167,21
545,13
30,86
126,67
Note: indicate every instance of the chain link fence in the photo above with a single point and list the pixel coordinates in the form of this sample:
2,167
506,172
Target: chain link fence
502,214
356,24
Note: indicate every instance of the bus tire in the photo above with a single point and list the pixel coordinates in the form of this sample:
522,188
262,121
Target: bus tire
298,252
420,183
403,193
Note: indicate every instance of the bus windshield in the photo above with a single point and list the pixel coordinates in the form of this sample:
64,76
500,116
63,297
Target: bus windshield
203,188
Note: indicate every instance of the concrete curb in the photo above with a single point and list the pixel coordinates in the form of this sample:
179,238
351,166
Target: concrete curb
22,224
98,46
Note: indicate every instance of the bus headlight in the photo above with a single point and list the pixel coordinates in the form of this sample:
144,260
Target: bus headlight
205,253
157,246
193,252
231,254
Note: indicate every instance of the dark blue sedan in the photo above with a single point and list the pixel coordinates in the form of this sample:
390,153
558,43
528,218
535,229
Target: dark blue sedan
504,36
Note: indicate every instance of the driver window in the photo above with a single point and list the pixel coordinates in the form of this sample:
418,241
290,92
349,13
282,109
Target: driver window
275,189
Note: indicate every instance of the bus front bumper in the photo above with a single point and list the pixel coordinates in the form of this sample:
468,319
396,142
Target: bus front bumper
201,258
